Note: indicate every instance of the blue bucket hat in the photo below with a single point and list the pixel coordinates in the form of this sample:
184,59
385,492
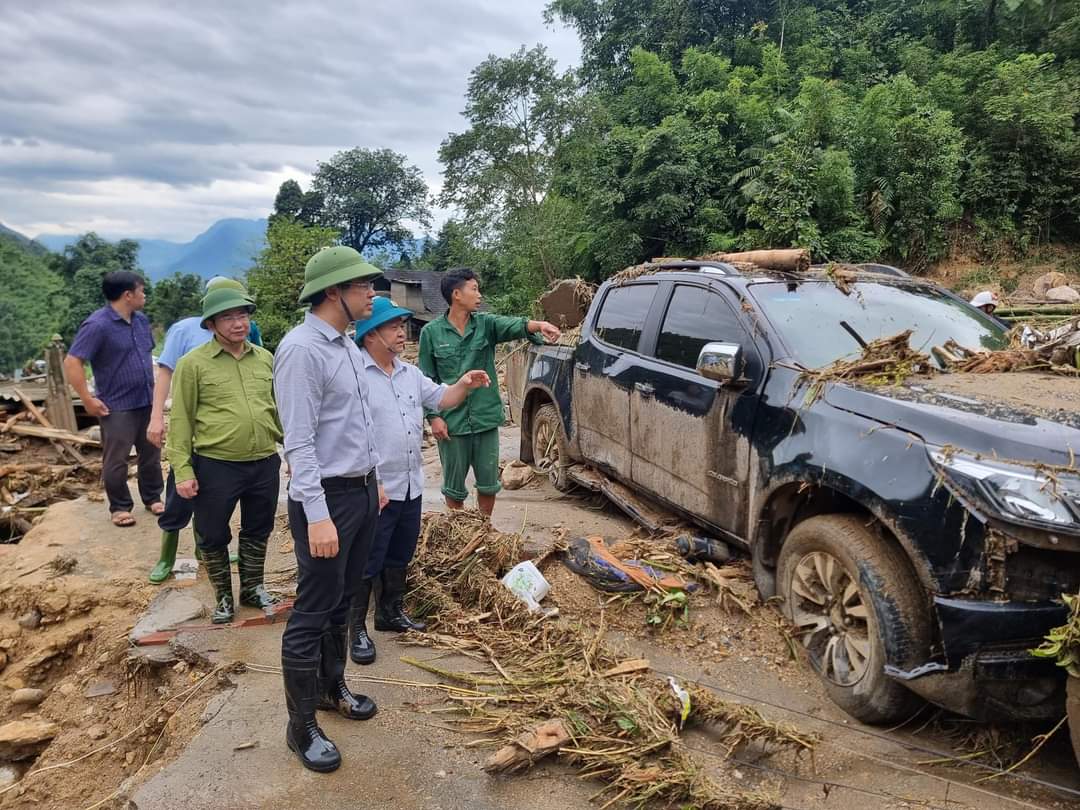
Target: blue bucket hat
382,310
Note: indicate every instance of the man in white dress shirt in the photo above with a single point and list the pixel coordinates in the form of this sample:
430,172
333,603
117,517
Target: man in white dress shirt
399,394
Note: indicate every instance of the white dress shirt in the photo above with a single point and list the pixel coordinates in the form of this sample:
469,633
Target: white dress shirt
398,402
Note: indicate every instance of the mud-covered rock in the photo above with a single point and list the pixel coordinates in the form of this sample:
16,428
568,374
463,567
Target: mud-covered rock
1064,294
31,620
27,697
25,739
516,475
1048,281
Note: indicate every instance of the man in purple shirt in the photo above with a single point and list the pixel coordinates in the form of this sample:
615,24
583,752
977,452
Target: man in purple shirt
116,340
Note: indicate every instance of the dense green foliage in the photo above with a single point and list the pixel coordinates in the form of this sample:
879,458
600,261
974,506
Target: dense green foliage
32,307
873,129
175,297
278,274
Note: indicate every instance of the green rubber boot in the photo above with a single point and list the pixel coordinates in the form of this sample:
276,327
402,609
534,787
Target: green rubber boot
166,557
219,573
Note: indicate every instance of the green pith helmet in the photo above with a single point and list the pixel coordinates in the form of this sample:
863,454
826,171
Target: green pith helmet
334,265
221,282
223,299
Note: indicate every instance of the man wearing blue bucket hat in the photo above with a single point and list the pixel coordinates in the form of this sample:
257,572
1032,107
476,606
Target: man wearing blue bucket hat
400,393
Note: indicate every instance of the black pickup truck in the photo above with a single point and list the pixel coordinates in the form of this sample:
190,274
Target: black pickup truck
920,534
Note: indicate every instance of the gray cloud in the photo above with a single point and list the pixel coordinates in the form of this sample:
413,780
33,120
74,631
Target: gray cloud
149,119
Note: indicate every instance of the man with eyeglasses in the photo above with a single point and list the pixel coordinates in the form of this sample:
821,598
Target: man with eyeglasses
334,494
222,445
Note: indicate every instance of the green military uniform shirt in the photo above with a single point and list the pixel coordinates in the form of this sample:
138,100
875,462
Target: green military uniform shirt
446,354
223,407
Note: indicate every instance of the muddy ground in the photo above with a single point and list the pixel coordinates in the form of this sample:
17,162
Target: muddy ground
199,722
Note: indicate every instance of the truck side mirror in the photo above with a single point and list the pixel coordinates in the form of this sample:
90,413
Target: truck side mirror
722,362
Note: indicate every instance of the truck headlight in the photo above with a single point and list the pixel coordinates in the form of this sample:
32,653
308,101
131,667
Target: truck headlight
1014,492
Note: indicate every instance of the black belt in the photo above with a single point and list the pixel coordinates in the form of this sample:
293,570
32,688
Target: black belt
341,483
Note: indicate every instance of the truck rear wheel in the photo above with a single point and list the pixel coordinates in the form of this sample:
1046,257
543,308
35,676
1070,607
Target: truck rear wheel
851,597
549,446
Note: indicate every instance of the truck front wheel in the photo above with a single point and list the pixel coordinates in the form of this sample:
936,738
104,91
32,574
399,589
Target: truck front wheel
851,596
549,446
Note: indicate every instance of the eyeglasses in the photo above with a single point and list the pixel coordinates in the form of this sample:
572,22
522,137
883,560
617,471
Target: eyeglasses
234,317
363,286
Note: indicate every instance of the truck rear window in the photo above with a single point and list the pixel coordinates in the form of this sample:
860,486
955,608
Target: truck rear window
622,315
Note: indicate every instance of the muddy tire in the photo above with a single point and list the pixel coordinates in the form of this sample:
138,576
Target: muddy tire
851,596
549,446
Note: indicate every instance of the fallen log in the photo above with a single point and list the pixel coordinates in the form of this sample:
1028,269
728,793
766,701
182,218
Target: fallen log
49,433
531,745
793,260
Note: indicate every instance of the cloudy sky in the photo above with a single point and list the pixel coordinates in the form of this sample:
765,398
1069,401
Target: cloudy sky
155,119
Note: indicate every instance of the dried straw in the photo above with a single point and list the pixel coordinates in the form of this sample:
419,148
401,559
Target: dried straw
624,730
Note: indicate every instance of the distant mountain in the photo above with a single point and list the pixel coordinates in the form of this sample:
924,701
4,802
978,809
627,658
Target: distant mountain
226,248
25,242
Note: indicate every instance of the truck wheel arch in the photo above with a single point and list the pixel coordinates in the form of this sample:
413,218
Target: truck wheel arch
535,398
790,503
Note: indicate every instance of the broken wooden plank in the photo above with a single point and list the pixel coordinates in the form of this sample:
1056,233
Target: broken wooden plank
628,667
61,445
50,433
531,745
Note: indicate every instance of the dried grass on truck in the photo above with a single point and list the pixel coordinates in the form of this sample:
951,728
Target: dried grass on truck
622,724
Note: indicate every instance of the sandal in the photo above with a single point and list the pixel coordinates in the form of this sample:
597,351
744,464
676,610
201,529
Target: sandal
155,508
123,519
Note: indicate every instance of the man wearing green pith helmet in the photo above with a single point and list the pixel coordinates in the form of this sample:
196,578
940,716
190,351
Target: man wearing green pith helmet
222,446
183,336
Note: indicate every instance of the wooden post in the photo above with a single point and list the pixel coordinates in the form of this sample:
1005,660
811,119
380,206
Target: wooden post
60,408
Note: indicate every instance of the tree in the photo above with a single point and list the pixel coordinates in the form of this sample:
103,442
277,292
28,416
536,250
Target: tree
518,109
278,275
368,194
178,296
294,203
32,307
82,266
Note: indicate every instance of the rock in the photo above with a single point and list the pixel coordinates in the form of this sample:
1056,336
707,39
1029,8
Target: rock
516,475
96,732
53,603
129,757
8,643
1047,282
169,610
27,697
13,682
102,688
24,739
1064,294
9,628
67,689
30,620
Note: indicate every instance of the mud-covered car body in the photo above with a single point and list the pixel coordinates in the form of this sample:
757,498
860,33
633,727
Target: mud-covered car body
980,496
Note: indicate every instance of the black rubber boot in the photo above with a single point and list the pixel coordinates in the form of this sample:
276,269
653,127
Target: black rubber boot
362,649
219,572
303,736
252,591
389,613
334,693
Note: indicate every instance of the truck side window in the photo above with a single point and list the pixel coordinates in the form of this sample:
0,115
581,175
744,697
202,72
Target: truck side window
622,315
695,317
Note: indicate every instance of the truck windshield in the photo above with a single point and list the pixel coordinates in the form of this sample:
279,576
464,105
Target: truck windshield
810,317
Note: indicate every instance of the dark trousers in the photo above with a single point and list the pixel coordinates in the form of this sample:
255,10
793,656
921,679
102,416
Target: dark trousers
325,586
395,536
224,484
178,511
120,431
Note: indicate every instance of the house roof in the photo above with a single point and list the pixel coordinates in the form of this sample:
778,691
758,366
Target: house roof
429,286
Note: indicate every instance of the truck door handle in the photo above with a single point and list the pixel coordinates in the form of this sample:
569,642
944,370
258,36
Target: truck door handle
645,389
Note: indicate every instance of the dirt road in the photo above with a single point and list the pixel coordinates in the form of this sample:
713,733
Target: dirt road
219,742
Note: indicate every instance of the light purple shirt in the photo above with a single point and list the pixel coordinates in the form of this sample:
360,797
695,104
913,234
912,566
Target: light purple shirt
322,398
397,404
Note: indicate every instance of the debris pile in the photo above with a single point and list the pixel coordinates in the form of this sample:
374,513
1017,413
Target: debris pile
552,688
1056,350
885,361
26,490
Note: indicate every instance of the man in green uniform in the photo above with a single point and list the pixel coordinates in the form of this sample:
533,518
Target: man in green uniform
461,340
222,445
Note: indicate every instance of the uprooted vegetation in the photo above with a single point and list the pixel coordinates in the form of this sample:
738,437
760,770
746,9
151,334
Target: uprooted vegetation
551,687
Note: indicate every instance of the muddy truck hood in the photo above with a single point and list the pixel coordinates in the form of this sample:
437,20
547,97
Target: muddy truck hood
1024,416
